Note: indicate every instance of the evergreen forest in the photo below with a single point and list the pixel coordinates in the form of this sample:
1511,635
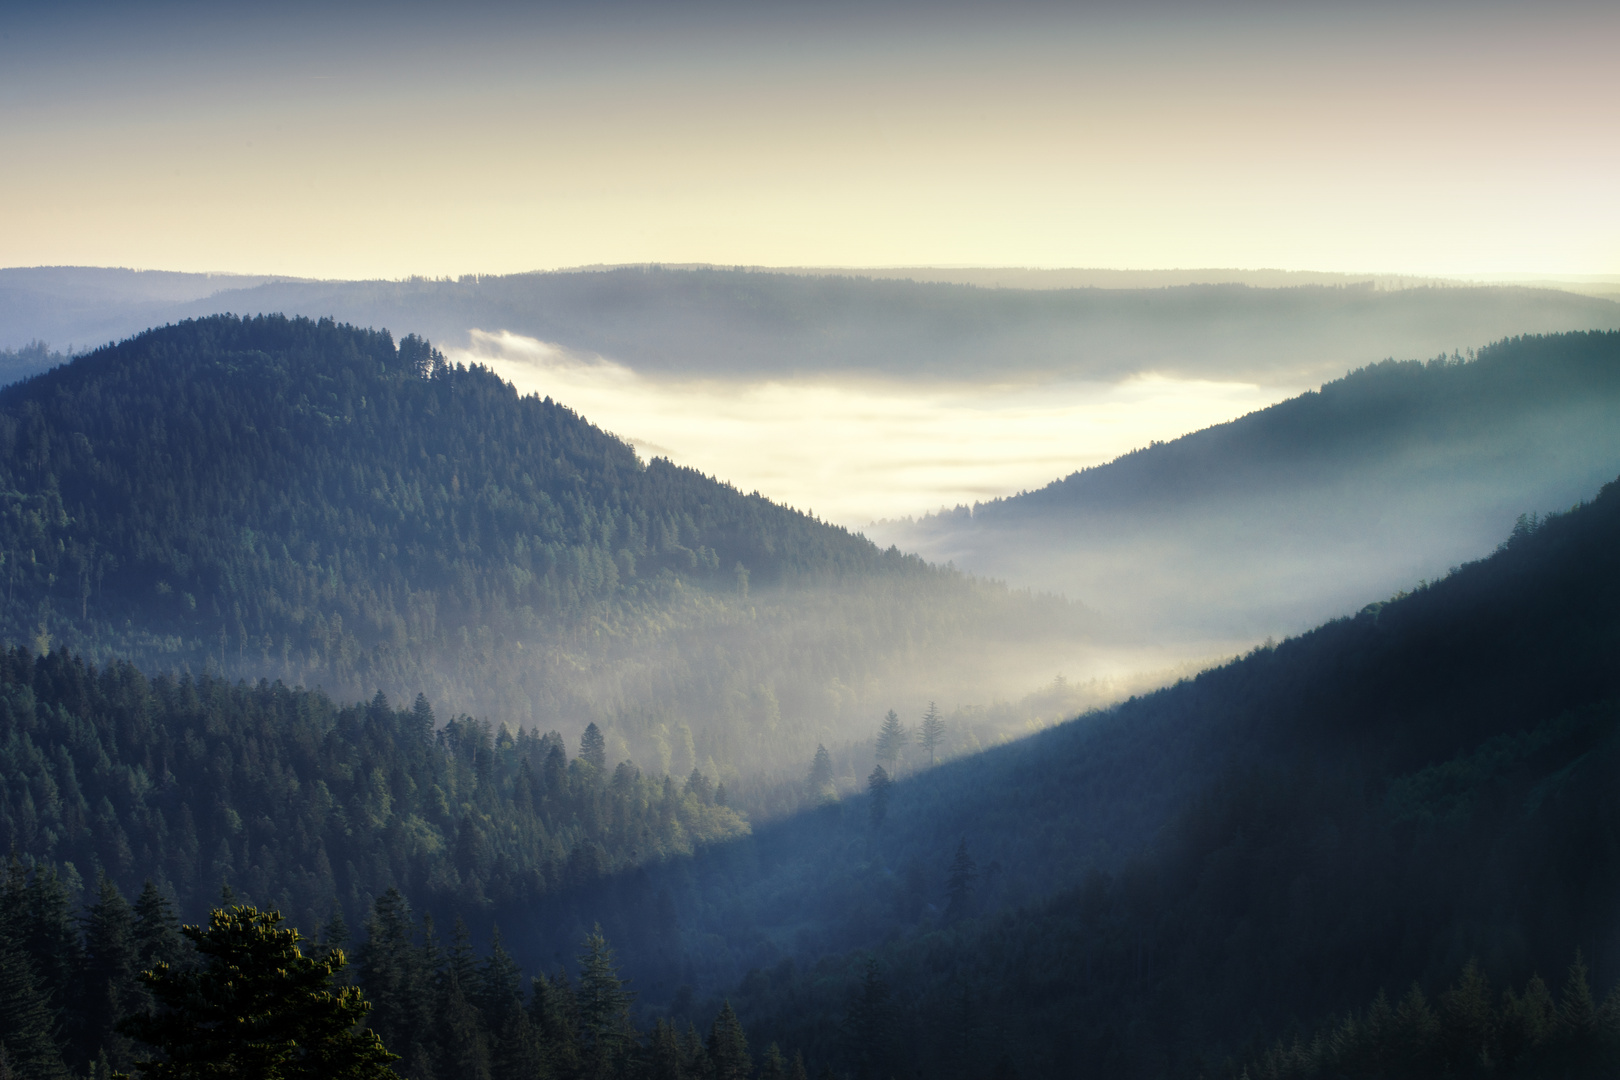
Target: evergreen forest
421,729
309,502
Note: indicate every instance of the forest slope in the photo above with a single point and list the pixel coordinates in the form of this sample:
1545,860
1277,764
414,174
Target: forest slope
1296,513
307,501
1371,803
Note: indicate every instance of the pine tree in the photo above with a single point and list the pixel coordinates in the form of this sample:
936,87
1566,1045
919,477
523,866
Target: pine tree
393,976
773,1066
593,748
959,882
157,930
868,1024
665,1060
819,782
108,983
604,1007
463,1041
728,1047
257,1009
933,732
25,1015
877,794
891,741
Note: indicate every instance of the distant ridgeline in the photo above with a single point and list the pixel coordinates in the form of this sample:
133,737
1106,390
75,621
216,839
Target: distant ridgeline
305,501
1368,415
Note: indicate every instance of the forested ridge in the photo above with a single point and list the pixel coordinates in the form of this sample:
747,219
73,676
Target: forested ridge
308,501
1419,794
1367,417
1369,805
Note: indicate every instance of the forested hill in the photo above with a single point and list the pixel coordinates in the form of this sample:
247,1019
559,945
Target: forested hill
306,500
1293,514
1371,414
1366,805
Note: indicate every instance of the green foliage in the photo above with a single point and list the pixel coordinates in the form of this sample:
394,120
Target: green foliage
1465,1034
256,1008
1184,877
290,499
293,798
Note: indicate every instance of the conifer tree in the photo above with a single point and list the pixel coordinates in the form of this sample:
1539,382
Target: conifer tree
891,741
728,1047
933,732
819,782
773,1066
463,1048
959,882
877,794
26,1019
665,1060
256,1009
108,983
868,1024
604,1007
593,748
157,930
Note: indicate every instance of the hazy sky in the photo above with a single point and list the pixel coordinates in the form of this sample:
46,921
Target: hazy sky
854,451
350,140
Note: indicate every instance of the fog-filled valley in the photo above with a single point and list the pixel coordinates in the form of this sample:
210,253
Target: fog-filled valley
306,617
1273,522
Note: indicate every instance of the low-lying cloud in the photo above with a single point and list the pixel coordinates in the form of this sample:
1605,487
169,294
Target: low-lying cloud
855,451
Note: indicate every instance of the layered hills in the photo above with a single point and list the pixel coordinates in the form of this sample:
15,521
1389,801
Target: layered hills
1178,881
1161,888
309,502
1296,513
714,322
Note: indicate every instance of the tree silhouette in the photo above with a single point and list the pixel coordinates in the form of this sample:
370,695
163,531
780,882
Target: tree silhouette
891,741
877,791
256,1009
933,731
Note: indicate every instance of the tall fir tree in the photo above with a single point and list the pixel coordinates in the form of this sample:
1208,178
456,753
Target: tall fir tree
593,748
819,782
256,1008
728,1047
877,795
933,732
604,1008
959,881
891,741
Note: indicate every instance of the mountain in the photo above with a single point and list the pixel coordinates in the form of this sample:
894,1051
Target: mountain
714,322
1227,861
75,308
1162,888
307,501
1272,522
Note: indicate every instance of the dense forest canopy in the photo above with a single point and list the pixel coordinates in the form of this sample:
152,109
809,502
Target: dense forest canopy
308,501
1373,803
1164,888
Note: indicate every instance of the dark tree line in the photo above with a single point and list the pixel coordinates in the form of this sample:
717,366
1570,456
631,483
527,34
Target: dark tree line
121,987
283,498
310,807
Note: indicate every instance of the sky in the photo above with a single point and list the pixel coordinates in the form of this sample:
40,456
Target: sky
371,140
